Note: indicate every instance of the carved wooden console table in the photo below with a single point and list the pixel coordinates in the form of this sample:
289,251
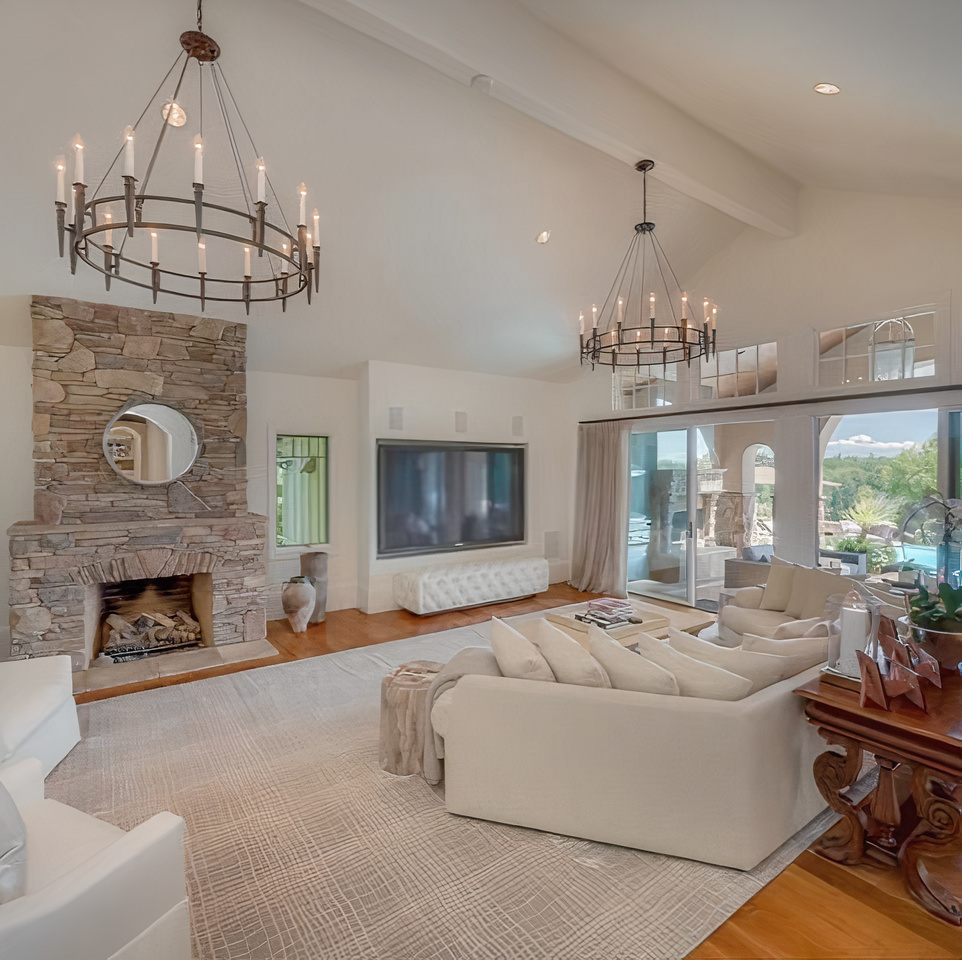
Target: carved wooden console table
915,823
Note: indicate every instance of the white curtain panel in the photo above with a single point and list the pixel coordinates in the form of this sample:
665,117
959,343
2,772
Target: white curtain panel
600,561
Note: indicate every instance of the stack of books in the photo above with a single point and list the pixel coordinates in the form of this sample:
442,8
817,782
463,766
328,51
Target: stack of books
609,613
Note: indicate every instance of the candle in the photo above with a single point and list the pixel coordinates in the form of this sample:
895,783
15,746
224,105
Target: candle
714,317
651,301
78,162
621,310
247,261
302,190
202,257
71,205
317,227
581,322
594,317
128,151
705,306
684,306
61,167
198,159
153,248
284,261
261,181
108,234
854,627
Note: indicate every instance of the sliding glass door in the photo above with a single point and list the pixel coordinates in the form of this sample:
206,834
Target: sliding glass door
701,498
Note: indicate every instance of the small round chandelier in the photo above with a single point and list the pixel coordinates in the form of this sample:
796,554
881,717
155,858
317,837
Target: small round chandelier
647,319
223,239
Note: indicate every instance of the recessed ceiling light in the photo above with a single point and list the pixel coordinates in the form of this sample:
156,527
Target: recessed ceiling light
827,88
544,236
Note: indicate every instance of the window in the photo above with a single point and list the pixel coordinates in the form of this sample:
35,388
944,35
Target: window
301,490
744,372
894,349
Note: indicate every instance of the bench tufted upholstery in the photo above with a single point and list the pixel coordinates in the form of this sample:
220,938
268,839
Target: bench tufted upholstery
450,586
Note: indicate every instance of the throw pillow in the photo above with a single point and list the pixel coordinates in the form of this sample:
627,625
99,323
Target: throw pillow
695,679
794,629
811,588
517,657
13,849
762,669
815,649
626,670
568,659
778,587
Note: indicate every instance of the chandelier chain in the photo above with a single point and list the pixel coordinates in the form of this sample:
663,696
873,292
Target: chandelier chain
200,16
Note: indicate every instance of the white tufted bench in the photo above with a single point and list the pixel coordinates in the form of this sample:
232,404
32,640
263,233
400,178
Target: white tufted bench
456,585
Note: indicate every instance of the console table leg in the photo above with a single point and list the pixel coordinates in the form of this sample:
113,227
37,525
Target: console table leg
845,842
885,807
931,857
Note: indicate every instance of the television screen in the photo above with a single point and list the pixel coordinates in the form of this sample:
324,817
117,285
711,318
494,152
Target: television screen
448,496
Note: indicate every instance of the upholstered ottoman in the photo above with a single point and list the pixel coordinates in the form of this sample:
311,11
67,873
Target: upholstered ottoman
458,585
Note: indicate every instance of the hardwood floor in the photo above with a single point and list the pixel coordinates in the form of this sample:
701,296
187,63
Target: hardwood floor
814,910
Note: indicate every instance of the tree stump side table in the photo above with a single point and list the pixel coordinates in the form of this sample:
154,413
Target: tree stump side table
403,696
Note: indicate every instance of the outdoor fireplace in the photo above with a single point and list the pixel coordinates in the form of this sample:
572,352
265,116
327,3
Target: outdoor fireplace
140,618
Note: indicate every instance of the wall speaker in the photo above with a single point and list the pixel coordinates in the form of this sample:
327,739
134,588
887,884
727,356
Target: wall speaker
552,543
395,418
517,426
461,421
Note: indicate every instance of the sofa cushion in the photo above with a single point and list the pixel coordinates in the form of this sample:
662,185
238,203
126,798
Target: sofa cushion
778,587
570,662
741,621
60,838
811,588
816,649
627,670
517,656
13,849
30,692
763,669
695,679
441,712
795,629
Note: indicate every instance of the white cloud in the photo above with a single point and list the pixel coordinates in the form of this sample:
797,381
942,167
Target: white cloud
862,445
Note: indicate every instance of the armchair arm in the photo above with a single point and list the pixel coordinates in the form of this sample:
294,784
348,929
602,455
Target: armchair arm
23,778
749,597
101,905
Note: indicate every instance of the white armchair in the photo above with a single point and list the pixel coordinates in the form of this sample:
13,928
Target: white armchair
38,716
94,892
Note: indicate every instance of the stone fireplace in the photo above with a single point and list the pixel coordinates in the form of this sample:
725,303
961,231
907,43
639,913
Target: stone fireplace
184,558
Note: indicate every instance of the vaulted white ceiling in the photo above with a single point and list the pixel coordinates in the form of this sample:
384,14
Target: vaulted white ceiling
432,192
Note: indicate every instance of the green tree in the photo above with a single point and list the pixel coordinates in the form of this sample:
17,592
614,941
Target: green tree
851,474
908,477
870,509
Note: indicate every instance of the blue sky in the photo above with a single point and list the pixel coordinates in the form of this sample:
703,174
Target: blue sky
881,434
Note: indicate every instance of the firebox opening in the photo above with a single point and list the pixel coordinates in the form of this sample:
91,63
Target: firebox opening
141,618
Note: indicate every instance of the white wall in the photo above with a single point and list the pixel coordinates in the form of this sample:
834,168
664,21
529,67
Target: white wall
316,406
430,398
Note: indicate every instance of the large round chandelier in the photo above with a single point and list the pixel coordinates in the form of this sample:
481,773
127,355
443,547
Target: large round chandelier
223,238
647,319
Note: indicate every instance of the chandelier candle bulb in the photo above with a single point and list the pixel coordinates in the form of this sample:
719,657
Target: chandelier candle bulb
78,163
247,261
261,181
621,310
317,228
302,220
61,168
652,302
581,323
594,318
108,234
198,159
128,151
154,258
684,306
70,206
202,258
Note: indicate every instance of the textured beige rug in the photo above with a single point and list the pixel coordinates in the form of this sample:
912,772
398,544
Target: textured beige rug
298,846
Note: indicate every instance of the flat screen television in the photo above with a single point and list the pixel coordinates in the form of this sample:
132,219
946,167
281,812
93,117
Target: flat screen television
436,496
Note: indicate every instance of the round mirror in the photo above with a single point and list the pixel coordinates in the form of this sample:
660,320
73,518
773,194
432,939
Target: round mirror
150,443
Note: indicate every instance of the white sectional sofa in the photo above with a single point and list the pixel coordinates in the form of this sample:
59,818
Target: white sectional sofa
453,586
725,782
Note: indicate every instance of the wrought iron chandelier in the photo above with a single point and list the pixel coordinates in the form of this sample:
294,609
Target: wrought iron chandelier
228,242
647,318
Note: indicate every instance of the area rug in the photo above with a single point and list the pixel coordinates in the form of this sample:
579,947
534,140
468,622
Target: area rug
299,846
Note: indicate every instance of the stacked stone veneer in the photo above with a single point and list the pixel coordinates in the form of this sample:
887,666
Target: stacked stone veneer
92,526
